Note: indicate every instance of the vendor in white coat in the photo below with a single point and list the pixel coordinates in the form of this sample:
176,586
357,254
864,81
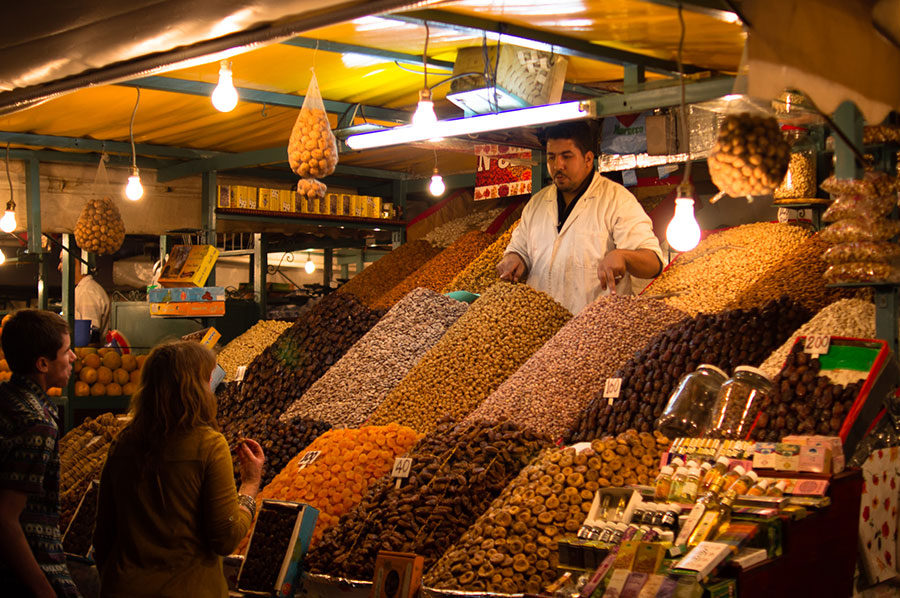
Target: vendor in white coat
584,234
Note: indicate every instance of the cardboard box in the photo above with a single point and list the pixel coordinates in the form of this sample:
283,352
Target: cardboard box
188,265
226,197
405,568
182,294
188,309
787,457
703,559
247,198
270,200
813,457
287,203
595,516
764,455
345,206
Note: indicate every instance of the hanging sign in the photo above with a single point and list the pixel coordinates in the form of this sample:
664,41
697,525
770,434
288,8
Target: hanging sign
503,171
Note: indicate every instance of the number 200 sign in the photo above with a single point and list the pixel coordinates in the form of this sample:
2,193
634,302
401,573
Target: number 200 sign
817,344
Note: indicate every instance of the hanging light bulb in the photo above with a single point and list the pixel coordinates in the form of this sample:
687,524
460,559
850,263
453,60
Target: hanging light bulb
134,190
309,266
8,221
437,187
683,232
424,115
225,96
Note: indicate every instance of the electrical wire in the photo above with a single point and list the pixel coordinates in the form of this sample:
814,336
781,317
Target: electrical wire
131,128
9,178
684,119
425,55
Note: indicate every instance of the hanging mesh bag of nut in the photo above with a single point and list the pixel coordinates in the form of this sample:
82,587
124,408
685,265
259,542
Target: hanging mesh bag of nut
100,228
750,156
312,149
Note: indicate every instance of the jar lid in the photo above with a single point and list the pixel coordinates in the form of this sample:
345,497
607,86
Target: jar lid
666,469
752,370
709,366
753,475
740,469
723,460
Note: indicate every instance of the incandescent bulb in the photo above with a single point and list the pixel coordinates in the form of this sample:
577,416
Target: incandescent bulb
225,96
2,258
437,187
309,266
424,114
134,190
8,221
683,232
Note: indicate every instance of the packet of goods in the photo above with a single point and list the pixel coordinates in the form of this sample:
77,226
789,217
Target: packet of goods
852,230
862,251
873,184
750,156
862,272
312,148
859,206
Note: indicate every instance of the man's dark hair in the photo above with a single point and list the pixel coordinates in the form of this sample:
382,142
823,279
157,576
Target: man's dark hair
582,134
29,335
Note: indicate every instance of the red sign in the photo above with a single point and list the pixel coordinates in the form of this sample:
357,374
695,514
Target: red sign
503,171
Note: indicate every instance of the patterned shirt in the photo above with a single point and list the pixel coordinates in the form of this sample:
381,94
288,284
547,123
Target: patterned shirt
29,463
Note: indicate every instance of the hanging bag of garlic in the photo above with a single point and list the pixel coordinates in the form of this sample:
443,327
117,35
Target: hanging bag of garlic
312,149
100,228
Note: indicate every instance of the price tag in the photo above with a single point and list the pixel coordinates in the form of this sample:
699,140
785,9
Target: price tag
307,459
239,375
402,467
817,344
783,215
611,389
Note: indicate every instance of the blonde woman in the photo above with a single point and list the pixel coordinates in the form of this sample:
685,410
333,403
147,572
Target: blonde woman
168,509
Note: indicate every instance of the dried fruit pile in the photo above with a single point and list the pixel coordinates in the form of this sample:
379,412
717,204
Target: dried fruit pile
497,334
456,472
481,274
447,233
245,348
383,275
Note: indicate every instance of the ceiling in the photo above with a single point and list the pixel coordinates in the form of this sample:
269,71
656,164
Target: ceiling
358,58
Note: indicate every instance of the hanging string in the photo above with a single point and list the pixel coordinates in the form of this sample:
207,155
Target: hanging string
425,55
684,119
9,177
131,128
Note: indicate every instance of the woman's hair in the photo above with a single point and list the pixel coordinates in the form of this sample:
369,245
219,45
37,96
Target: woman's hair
173,396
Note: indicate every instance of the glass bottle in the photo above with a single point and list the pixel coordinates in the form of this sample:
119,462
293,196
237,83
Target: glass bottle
687,412
800,179
777,490
717,515
717,471
663,483
677,484
739,401
727,480
743,483
690,486
759,489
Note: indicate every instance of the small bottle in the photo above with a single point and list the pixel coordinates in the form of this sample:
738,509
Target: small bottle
640,511
759,489
743,483
604,507
677,483
704,469
620,509
690,486
663,483
716,471
777,490
670,519
713,520
727,480
659,514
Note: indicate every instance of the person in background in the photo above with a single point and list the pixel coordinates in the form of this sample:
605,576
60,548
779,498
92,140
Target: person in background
92,303
584,234
167,508
36,345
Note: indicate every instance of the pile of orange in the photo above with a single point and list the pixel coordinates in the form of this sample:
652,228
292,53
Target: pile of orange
103,372
349,461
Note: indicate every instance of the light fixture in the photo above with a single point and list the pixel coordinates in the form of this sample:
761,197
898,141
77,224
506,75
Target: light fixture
134,190
525,117
424,115
309,266
225,96
437,187
8,221
2,257
683,232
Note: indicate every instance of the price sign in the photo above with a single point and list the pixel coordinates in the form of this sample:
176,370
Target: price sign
817,344
612,388
783,215
239,375
402,467
307,459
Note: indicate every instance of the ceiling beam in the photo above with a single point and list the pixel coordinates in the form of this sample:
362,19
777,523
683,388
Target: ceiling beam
717,9
341,48
99,145
562,44
256,96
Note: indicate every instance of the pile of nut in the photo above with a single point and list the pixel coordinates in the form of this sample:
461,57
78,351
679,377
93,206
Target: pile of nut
512,548
455,474
725,339
79,535
551,388
497,334
854,318
348,461
724,265
439,270
797,275
287,368
99,228
446,234
800,179
312,148
308,192
804,401
481,274
82,453
750,156
350,391
247,347
271,538
383,275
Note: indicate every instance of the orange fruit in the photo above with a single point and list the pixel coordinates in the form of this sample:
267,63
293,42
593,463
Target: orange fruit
88,374
121,377
54,392
4,367
140,360
76,366
98,390
104,375
135,376
5,319
128,389
113,389
129,362
82,389
92,360
112,360
103,351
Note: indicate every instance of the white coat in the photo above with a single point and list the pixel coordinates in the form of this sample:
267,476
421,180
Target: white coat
564,264
92,303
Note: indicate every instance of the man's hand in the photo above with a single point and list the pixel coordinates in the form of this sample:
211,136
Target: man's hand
611,270
511,267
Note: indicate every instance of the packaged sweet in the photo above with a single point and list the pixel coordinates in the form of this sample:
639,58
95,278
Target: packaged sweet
862,272
860,229
862,251
859,206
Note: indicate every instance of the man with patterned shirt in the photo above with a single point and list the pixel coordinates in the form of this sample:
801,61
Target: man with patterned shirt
36,346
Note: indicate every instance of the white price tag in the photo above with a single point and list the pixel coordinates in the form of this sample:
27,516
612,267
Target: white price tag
611,389
402,467
307,459
783,215
239,375
817,344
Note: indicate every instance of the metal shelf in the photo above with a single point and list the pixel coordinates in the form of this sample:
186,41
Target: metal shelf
313,220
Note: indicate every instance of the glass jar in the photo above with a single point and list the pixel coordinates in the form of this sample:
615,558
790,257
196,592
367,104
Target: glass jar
739,401
689,407
800,180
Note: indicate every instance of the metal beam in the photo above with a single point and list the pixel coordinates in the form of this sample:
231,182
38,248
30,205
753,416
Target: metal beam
45,156
33,205
257,96
562,44
341,48
97,145
260,272
322,222
701,91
